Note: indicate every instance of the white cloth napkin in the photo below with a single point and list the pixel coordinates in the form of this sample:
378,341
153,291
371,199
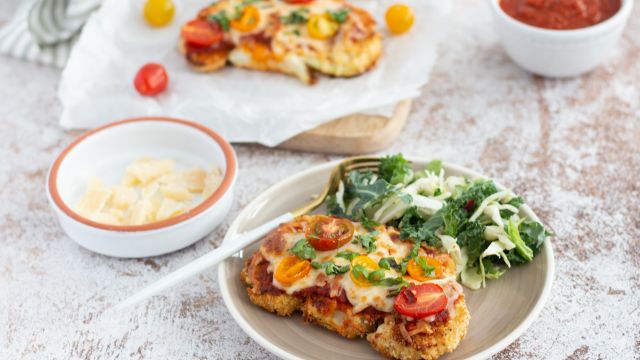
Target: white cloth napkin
44,31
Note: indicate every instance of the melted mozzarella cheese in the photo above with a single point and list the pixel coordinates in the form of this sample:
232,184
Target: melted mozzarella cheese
360,297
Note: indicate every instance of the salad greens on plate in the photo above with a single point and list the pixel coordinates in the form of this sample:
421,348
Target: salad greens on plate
473,220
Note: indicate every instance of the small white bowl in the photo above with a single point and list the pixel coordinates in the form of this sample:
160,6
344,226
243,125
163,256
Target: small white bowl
106,151
559,53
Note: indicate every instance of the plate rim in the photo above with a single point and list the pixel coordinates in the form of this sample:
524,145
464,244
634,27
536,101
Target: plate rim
282,353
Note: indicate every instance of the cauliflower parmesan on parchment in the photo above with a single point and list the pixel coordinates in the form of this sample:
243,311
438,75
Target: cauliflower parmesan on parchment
295,37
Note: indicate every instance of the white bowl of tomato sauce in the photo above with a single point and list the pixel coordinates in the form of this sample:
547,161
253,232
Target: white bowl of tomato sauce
560,38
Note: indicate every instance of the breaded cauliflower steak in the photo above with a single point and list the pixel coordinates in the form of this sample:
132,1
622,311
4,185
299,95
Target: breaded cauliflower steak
438,340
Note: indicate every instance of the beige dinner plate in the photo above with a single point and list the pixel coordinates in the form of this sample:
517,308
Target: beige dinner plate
499,313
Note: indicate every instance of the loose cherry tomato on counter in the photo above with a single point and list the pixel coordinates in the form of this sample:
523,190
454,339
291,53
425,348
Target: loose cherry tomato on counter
322,26
399,18
416,271
291,269
151,79
366,262
159,12
201,33
248,21
329,233
418,301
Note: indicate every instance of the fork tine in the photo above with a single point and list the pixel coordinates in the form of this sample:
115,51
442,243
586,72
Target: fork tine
373,169
367,166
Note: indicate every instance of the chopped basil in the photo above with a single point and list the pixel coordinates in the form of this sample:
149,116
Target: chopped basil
222,19
303,250
339,16
330,268
368,241
426,269
377,277
396,291
295,17
388,263
369,224
412,254
349,255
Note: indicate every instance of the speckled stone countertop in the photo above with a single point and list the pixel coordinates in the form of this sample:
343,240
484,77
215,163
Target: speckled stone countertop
571,148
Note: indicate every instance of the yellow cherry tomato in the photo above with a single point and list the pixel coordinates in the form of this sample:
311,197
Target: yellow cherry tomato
248,21
322,26
291,269
159,12
399,18
417,272
368,264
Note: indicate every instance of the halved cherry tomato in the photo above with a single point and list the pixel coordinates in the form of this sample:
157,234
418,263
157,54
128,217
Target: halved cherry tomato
418,301
159,12
201,33
151,79
322,26
329,233
291,269
399,18
417,272
368,263
248,21
299,1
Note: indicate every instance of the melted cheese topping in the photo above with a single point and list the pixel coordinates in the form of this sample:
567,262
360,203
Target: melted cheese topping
360,297
277,44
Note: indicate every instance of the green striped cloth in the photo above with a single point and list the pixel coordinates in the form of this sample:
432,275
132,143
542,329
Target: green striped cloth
44,31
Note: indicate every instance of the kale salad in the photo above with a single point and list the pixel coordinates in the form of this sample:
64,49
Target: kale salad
473,220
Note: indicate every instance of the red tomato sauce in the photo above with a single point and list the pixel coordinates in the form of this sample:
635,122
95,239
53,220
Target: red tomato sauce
561,14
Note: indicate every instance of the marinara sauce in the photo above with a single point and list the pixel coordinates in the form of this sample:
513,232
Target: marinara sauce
561,14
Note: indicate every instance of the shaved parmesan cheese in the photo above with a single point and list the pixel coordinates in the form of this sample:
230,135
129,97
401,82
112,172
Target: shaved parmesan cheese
211,183
123,197
140,212
147,170
150,190
169,208
176,193
95,199
194,179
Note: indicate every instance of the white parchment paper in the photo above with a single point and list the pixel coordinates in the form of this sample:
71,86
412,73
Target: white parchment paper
242,105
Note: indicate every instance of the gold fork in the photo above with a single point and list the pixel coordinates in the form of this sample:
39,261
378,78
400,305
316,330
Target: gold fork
338,174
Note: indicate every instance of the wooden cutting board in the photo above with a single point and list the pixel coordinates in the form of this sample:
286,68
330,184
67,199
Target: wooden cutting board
353,134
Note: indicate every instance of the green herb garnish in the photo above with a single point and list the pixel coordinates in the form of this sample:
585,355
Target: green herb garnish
426,269
303,250
222,19
339,16
388,263
330,268
295,17
349,255
368,241
368,223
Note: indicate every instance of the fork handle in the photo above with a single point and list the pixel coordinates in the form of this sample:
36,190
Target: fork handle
204,262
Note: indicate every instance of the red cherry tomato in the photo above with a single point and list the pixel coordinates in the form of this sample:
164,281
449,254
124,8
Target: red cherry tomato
418,301
201,33
151,79
328,233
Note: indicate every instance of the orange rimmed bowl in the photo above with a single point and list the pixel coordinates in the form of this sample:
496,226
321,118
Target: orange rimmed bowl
106,151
